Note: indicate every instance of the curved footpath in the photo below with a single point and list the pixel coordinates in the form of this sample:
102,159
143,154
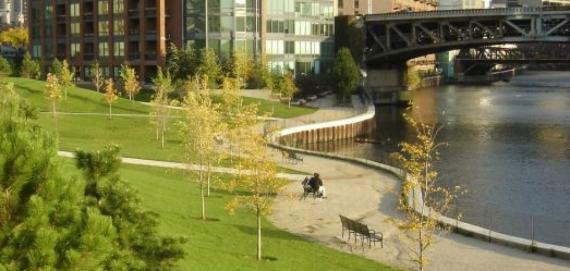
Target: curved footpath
371,195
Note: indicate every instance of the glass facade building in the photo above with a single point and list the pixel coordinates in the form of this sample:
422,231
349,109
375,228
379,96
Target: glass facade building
294,34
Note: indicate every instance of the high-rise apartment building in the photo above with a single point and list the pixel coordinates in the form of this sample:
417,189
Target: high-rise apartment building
355,7
461,4
12,12
111,32
294,34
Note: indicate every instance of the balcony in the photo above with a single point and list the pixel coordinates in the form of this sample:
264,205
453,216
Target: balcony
134,56
150,56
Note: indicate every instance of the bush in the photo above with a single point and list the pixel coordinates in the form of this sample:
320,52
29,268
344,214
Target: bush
5,66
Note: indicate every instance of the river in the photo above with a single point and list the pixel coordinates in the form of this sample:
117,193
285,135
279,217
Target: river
508,145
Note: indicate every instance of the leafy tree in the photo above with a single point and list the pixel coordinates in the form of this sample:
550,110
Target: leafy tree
417,160
161,104
287,87
16,37
139,247
413,79
240,67
200,130
30,68
5,66
110,95
346,74
182,63
56,67
259,181
53,92
131,83
44,224
52,222
97,76
64,75
209,66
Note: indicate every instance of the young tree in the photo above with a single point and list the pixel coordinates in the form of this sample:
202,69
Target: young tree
52,92
161,104
259,180
346,74
110,95
5,66
209,66
182,63
30,68
240,66
413,79
65,77
417,160
288,87
200,130
97,76
131,83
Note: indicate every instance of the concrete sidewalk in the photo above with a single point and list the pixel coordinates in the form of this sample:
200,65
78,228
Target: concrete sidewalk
371,196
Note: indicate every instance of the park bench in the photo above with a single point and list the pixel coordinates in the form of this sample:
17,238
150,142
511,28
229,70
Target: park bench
360,230
291,157
307,190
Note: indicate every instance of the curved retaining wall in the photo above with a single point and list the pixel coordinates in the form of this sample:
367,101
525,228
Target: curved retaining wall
415,199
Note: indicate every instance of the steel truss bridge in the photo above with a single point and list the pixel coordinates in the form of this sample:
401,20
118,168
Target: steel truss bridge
497,55
394,38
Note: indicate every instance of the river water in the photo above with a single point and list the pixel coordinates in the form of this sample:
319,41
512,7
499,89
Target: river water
508,144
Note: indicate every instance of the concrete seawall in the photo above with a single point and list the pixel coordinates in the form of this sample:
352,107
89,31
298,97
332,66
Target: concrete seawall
414,199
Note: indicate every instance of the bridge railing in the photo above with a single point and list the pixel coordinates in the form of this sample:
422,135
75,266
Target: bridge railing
462,13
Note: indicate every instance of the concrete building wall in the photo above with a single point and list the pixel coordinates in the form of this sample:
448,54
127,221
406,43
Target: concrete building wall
355,7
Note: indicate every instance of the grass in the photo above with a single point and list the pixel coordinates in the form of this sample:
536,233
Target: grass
135,135
228,241
89,101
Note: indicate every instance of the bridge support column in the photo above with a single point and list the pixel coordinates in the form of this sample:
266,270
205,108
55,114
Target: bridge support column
386,85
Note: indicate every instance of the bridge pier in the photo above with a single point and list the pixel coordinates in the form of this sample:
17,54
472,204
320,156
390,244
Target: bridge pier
387,85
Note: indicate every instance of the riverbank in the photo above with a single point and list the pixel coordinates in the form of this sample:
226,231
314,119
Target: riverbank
371,196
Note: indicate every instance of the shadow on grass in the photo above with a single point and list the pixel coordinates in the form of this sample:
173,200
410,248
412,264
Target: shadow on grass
270,233
208,219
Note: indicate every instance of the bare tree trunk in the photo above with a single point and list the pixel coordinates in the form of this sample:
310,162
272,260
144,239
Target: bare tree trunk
421,247
202,195
53,109
162,134
110,111
258,234
208,178
289,102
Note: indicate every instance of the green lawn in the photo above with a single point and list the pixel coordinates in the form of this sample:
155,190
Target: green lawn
229,242
135,135
85,100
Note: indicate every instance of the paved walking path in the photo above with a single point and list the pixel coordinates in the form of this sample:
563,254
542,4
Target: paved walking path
176,165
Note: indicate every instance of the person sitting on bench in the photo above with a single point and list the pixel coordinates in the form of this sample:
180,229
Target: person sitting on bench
317,185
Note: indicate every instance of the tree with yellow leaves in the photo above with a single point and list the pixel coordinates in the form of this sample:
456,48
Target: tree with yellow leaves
420,223
259,180
16,36
161,104
110,95
65,77
287,87
200,130
53,93
131,83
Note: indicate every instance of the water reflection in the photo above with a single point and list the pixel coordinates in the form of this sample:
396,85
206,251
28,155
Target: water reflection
508,145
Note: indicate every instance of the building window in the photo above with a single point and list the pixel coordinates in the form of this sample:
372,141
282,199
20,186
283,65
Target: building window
289,47
119,49
103,28
75,28
75,49
37,51
275,47
74,10
119,27
103,49
118,6
103,7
